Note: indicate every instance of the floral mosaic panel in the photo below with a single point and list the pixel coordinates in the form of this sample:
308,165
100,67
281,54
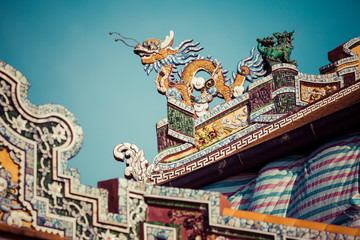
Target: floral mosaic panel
222,127
311,92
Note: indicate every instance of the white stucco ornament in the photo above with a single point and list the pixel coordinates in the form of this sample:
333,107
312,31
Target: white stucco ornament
238,91
201,108
198,82
138,166
17,218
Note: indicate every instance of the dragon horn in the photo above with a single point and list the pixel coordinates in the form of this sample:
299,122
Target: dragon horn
168,40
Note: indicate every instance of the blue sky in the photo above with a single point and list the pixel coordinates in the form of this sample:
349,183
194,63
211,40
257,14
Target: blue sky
65,51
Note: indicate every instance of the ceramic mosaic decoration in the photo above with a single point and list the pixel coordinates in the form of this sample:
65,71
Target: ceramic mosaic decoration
276,97
41,196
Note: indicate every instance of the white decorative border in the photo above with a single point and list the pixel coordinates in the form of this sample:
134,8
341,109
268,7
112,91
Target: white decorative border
171,151
181,136
162,123
283,90
259,82
282,66
350,70
339,63
327,78
346,49
181,105
349,44
254,115
266,118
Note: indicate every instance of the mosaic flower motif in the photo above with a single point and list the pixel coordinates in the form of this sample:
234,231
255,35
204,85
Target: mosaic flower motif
58,133
55,189
213,134
108,235
201,141
19,124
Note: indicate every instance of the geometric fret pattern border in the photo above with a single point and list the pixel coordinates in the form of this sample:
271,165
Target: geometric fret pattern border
238,144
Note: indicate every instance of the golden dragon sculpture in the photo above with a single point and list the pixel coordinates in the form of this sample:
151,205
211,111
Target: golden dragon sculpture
161,57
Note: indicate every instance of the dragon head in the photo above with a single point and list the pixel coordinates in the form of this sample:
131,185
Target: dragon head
284,38
155,53
153,50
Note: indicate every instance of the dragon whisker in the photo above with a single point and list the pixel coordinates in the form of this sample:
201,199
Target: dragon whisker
111,33
117,39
